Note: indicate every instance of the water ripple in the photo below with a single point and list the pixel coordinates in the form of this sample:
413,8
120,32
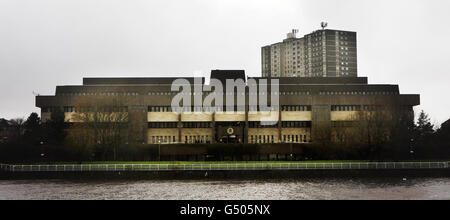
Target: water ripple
303,189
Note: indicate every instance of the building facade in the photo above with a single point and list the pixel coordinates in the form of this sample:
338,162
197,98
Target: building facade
305,105
323,53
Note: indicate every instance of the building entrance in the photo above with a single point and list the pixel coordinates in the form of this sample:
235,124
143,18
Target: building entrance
230,132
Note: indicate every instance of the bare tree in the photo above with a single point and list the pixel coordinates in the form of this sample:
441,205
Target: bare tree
101,123
19,125
379,126
376,128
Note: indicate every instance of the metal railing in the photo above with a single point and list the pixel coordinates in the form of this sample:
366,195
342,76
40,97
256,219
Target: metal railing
223,167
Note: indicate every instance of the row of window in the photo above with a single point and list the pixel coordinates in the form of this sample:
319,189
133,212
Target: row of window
204,139
345,107
358,93
260,93
86,109
193,109
342,68
199,139
295,124
100,94
235,108
175,93
229,93
251,124
294,139
159,109
266,139
197,124
162,93
357,107
163,139
162,125
296,108
284,124
207,109
175,124
294,93
262,139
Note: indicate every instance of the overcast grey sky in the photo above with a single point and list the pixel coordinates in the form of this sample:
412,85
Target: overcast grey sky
44,43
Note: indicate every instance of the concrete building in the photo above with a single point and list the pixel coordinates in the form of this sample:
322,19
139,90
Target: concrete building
305,104
323,53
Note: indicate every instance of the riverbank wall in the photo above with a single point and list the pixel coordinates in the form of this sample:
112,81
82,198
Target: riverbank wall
227,175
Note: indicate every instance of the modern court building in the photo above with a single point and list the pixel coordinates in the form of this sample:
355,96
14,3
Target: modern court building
304,105
318,87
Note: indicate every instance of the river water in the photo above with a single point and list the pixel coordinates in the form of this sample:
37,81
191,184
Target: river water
290,189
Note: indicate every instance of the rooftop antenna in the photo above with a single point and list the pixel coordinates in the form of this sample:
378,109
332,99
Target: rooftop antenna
324,25
292,34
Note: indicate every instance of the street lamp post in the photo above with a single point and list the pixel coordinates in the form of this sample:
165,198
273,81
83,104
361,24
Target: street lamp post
42,151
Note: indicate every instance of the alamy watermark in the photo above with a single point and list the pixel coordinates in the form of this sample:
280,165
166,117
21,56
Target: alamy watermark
201,98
